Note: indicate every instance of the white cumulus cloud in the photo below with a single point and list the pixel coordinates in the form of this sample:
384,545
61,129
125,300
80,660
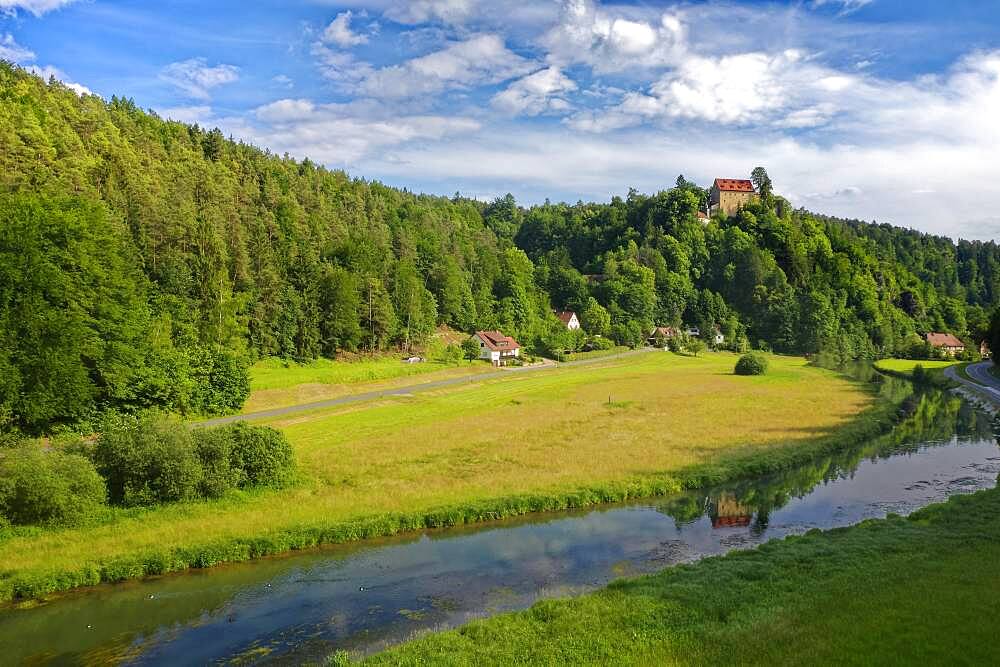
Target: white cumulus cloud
537,93
413,12
12,51
339,32
196,78
36,7
478,60
343,134
608,41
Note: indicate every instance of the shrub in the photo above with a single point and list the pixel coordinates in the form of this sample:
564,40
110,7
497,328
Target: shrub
152,461
260,456
47,486
214,447
599,343
751,364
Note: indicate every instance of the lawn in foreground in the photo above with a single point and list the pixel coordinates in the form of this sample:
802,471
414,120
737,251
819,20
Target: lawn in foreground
278,383
917,590
522,442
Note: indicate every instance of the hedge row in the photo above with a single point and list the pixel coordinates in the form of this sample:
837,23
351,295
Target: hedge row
138,463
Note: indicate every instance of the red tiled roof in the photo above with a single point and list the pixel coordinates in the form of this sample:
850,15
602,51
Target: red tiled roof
666,331
497,342
733,185
944,340
565,316
702,215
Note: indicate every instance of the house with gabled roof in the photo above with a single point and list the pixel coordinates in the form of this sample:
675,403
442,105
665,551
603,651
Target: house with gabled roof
946,342
569,318
984,350
728,195
497,348
665,333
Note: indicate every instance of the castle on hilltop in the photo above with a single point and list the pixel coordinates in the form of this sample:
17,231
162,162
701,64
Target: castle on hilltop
729,194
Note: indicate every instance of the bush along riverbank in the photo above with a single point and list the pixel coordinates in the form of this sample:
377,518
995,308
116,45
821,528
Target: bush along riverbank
915,590
884,412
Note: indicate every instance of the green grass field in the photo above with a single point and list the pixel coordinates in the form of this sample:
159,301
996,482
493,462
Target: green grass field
906,366
596,354
277,383
916,591
639,425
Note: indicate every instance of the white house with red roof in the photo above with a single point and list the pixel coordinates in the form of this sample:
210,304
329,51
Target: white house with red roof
946,342
497,348
569,318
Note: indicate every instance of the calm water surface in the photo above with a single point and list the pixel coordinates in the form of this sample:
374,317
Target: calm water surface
365,597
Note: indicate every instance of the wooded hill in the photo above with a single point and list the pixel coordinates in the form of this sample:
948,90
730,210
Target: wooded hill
145,263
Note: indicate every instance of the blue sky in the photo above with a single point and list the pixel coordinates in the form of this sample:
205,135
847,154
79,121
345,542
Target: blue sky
877,109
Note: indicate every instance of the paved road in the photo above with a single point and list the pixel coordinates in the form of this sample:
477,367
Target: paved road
409,389
986,384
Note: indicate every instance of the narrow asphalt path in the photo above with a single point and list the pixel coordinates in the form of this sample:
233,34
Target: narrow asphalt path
985,383
408,389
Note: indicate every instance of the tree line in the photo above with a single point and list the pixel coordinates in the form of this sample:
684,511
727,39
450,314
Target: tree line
146,263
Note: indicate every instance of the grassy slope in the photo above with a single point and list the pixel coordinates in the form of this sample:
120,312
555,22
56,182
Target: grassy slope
596,354
922,590
524,442
276,383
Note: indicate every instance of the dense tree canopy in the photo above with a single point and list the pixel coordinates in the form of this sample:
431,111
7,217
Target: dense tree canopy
145,262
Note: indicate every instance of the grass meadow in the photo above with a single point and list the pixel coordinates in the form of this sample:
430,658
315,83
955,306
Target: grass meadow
904,367
634,426
895,591
277,383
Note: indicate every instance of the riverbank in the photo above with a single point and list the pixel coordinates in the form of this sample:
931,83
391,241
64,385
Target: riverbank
915,590
638,426
366,596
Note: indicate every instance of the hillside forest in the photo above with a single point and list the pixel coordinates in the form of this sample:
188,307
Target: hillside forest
146,263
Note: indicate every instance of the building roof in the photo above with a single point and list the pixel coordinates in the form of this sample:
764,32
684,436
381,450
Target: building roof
733,185
565,316
497,342
666,331
702,215
944,340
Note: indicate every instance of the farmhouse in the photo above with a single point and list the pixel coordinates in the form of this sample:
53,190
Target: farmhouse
497,348
665,332
984,350
729,194
569,318
946,342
